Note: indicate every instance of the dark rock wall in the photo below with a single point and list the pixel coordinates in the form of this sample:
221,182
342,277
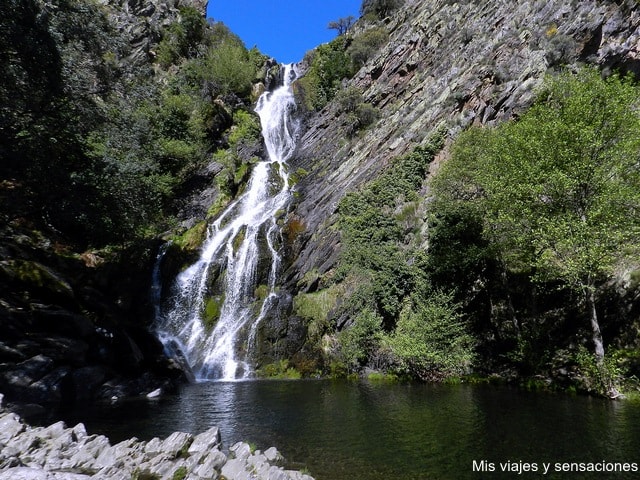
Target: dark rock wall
74,327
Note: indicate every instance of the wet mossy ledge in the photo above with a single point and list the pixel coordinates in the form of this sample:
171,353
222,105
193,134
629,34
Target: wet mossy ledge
71,453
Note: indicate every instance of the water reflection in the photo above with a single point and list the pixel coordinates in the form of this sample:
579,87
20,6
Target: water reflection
367,431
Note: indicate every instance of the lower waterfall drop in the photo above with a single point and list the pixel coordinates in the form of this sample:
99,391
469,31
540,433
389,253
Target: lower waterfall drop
242,237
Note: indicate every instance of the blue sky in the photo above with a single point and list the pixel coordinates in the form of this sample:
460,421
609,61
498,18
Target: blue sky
283,29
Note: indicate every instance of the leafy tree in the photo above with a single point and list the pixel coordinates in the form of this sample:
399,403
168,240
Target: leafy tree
342,25
559,188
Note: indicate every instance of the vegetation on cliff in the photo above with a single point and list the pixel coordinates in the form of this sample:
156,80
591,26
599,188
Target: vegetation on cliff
100,151
506,265
526,318
553,199
110,115
514,260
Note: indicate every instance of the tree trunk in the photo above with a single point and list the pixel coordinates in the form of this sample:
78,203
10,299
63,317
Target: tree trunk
608,382
595,326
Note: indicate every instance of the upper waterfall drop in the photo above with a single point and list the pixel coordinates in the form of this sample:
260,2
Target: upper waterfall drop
242,245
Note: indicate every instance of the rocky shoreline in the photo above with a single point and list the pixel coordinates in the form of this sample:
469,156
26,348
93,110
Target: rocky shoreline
58,452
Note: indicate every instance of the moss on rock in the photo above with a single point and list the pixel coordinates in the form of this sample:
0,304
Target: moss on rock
212,310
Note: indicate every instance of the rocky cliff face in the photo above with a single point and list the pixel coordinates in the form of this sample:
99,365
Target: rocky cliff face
140,23
448,64
72,325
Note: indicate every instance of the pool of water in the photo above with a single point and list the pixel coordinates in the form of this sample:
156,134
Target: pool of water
339,430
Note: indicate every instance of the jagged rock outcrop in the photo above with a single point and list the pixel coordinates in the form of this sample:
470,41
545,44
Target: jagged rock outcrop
446,63
63,453
140,23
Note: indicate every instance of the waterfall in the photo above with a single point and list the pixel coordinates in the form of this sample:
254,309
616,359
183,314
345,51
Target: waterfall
242,239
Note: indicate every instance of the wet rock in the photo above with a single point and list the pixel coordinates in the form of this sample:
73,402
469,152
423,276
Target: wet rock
240,450
157,393
87,380
211,465
235,469
272,455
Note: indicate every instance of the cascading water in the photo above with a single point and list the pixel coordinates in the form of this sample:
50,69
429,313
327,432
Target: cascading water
243,237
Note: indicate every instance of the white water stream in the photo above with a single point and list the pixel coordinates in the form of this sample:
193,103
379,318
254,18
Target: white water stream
243,236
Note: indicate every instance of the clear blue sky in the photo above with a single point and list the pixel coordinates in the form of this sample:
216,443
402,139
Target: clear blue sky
283,29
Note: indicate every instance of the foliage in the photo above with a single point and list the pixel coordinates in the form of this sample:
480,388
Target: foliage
381,257
561,185
182,38
552,197
342,25
98,150
47,61
595,376
358,114
366,44
379,8
431,341
279,370
235,171
361,341
373,239
230,69
180,473
332,62
329,64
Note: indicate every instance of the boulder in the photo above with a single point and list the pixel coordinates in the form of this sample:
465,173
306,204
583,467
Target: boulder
176,444
205,441
10,426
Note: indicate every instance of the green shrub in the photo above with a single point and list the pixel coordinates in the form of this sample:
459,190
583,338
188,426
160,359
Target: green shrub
379,8
182,38
598,377
231,69
360,341
431,341
366,44
279,370
348,99
359,115
329,65
373,237
180,473
246,128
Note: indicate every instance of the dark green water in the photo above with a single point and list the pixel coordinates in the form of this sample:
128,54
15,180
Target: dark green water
370,431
